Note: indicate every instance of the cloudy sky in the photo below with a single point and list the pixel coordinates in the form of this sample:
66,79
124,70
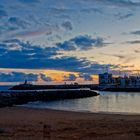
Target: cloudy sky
67,40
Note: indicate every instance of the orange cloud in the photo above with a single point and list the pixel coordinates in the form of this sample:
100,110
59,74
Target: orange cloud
57,76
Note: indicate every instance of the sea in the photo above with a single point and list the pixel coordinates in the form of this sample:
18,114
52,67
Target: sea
5,87
106,102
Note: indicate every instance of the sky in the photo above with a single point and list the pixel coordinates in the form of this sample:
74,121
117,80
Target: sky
57,41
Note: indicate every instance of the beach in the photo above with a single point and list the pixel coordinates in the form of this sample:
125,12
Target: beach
19,123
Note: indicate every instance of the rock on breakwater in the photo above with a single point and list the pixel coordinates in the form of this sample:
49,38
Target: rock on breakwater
11,97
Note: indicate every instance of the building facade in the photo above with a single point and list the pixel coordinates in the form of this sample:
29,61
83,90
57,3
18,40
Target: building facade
107,80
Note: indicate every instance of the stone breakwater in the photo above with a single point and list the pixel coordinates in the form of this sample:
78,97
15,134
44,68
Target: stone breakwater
11,97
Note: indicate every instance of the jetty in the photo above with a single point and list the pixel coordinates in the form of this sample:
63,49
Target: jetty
28,86
16,97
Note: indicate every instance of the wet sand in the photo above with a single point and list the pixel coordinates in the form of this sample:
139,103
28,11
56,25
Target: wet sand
18,123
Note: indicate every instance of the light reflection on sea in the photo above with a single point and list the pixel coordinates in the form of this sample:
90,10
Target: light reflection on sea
110,102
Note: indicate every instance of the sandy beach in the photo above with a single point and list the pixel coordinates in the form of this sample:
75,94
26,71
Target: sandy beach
18,123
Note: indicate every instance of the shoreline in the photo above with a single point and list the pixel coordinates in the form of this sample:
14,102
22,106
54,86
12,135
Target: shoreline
20,123
81,111
78,111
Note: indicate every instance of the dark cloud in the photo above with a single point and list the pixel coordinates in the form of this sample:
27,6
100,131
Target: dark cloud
137,32
86,77
82,43
13,26
16,21
89,10
96,68
17,77
67,25
70,77
3,13
27,56
121,16
12,41
67,46
45,78
72,64
133,42
30,56
32,18
86,42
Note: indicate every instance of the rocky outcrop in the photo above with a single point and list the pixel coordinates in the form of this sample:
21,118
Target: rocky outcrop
11,97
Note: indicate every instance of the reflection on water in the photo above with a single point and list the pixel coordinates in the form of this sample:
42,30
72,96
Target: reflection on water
107,102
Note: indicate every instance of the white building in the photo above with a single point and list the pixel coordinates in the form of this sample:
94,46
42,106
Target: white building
107,80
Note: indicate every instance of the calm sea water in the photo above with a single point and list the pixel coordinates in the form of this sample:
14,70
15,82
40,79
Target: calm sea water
5,87
110,102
